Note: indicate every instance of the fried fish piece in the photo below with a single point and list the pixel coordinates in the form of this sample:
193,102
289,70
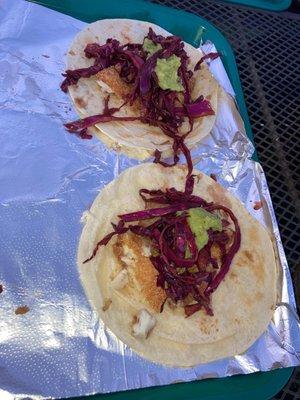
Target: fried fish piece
110,80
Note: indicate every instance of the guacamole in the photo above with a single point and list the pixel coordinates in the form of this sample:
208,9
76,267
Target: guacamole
150,47
200,221
167,73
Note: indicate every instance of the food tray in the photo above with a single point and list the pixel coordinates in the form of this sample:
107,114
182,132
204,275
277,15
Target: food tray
260,386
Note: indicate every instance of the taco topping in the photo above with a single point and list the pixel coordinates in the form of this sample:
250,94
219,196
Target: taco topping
153,74
193,243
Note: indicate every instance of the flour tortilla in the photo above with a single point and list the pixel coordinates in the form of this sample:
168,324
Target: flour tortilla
243,304
133,138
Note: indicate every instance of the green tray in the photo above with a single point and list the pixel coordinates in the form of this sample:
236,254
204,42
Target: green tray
258,386
272,5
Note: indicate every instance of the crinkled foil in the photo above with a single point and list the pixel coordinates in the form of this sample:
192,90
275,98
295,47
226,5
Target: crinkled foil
58,347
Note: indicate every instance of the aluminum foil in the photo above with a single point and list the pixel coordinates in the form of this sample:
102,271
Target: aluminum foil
51,342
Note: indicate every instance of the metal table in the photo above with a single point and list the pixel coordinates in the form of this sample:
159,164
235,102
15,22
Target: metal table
266,47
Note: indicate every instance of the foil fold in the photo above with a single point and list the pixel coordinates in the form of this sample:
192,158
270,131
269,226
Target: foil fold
48,178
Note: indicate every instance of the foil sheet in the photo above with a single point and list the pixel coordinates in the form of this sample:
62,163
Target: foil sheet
51,342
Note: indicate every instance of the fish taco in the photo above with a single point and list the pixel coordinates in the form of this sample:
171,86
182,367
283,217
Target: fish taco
176,267
139,89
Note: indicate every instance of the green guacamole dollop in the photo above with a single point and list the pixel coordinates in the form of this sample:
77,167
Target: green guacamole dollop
200,221
167,73
151,47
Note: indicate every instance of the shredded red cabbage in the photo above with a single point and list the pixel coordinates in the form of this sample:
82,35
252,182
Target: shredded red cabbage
184,272
199,109
153,212
227,256
163,108
82,124
208,56
107,55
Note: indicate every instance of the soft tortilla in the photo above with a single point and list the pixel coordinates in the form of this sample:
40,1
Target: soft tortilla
135,139
243,304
